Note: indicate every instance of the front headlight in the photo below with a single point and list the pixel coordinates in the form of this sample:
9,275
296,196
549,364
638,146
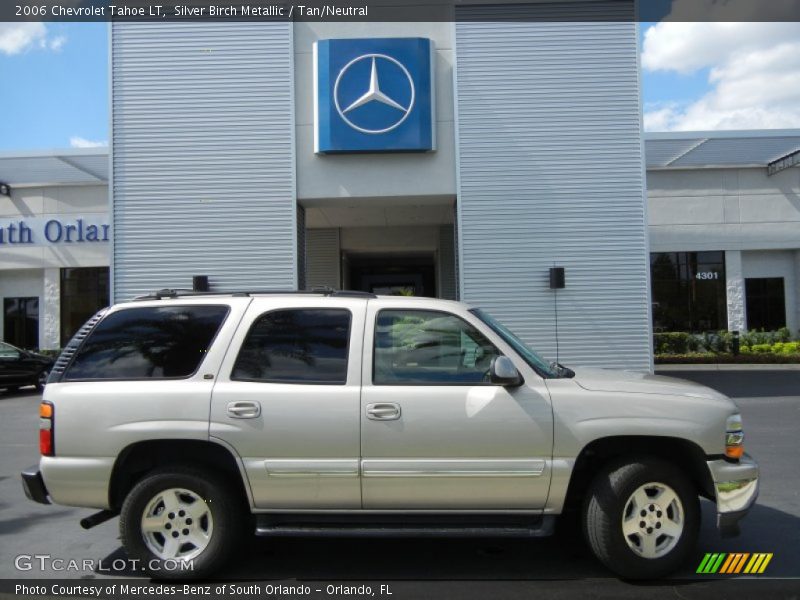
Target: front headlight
734,437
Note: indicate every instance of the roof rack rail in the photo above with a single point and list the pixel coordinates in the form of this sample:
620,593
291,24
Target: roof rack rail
186,293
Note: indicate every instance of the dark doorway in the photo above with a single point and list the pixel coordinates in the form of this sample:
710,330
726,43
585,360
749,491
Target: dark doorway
766,303
392,274
21,322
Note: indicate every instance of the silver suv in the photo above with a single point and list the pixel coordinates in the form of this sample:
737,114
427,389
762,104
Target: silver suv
200,419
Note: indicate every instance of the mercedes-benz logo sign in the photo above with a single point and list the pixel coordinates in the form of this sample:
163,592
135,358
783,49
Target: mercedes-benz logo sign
373,93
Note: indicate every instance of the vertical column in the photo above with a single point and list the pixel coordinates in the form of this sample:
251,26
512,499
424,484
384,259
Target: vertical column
50,328
223,204
528,193
735,290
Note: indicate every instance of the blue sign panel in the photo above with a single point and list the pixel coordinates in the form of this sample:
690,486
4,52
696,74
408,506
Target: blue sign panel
373,95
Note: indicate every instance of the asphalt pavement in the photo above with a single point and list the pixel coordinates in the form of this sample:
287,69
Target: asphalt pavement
557,567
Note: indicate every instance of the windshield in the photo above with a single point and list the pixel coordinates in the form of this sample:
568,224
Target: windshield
529,356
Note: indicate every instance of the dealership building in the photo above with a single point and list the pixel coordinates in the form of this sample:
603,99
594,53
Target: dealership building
461,160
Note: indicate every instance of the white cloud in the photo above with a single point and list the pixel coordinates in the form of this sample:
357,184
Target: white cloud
79,142
19,37
57,43
754,74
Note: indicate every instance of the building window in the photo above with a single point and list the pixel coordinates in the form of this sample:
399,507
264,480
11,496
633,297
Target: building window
84,291
21,322
688,291
766,303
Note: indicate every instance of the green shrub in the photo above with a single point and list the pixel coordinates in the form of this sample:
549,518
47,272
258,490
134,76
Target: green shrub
762,349
676,342
52,353
721,342
757,338
786,348
711,358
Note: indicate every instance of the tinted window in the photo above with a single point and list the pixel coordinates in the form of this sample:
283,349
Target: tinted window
296,346
766,303
688,291
148,343
425,347
7,351
84,291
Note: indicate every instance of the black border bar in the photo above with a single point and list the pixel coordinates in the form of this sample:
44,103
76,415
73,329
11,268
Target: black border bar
562,11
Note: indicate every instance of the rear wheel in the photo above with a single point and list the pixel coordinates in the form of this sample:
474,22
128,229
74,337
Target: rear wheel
181,516
641,518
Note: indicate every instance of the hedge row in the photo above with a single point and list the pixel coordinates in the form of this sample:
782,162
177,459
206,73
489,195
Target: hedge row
721,342
711,358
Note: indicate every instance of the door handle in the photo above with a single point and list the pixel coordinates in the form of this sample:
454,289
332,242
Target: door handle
243,410
383,411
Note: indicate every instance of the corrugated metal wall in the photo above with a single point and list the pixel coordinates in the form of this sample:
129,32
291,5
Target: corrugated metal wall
203,156
323,261
551,172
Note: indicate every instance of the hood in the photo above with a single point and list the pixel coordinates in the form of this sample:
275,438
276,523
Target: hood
606,380
41,357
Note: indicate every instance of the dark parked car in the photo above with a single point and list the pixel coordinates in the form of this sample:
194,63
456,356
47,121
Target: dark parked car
19,367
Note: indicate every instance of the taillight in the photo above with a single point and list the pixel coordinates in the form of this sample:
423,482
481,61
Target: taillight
734,437
46,429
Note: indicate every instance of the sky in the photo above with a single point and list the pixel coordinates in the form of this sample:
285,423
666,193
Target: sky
695,76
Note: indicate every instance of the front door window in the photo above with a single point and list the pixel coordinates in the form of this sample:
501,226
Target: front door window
416,347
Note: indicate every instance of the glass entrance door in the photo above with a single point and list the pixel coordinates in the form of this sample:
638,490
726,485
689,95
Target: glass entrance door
393,275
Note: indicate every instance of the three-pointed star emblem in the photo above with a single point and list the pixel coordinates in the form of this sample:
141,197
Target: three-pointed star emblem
374,93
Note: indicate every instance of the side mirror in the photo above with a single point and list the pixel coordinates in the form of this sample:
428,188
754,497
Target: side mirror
503,372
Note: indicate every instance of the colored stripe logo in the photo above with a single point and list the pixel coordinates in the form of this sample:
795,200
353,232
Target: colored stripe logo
734,563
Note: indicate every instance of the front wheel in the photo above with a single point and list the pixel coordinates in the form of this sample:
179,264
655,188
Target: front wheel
641,518
180,523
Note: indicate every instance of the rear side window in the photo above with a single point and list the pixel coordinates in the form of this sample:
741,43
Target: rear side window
159,342
296,346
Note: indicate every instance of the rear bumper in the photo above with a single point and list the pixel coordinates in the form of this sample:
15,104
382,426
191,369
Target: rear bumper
735,490
33,485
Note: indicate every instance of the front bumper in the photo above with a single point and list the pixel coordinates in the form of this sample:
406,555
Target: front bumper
735,490
33,485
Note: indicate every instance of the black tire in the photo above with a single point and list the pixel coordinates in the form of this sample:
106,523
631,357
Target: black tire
228,511
603,514
41,380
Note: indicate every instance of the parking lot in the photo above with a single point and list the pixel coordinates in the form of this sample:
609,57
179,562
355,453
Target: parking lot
440,568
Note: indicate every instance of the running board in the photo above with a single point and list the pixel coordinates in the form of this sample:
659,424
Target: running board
539,527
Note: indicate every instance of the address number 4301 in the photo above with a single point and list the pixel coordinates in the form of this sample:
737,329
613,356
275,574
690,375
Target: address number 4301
707,275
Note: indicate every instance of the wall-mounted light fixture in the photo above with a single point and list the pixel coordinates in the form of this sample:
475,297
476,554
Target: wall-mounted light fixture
557,278
200,283
5,189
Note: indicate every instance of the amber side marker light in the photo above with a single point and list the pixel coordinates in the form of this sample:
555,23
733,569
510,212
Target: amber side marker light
734,437
46,429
